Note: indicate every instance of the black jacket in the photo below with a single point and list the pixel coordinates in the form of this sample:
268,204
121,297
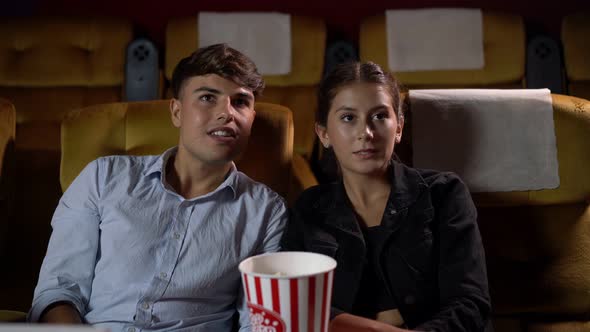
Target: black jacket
433,262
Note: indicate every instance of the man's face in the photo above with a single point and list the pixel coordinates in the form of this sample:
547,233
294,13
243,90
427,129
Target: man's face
215,117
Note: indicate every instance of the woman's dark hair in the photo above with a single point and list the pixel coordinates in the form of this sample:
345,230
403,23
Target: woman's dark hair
221,60
354,72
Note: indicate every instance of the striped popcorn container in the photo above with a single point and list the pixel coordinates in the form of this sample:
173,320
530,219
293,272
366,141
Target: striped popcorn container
288,291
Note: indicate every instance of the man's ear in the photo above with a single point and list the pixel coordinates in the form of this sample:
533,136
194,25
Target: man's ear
322,133
175,112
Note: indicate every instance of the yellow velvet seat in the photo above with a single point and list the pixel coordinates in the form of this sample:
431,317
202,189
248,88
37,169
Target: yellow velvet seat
47,67
7,133
145,128
9,316
537,243
504,55
576,50
295,90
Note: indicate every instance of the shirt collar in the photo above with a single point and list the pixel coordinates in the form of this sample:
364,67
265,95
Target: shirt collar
407,186
159,166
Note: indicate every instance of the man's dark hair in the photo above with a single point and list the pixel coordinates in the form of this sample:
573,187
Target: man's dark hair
218,59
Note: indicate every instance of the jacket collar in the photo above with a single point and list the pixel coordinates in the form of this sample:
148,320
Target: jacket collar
407,186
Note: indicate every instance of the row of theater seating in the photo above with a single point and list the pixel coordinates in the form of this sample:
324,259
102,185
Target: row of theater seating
537,242
51,67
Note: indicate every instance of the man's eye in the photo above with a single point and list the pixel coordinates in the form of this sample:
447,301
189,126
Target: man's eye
241,103
207,98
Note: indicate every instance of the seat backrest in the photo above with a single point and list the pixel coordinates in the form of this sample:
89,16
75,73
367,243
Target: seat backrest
295,90
143,128
576,50
47,67
51,65
504,57
7,133
537,243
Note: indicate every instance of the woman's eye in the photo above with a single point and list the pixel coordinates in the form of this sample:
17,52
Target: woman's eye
380,116
347,117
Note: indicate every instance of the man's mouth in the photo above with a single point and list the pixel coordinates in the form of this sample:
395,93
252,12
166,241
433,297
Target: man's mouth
222,132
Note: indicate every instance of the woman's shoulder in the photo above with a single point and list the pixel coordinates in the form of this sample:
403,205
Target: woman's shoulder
432,178
316,195
435,178
445,187
442,185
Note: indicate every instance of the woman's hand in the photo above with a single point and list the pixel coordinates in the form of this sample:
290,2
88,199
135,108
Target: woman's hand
352,323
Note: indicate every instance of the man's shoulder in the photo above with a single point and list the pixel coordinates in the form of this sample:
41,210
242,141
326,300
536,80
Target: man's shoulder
121,162
257,190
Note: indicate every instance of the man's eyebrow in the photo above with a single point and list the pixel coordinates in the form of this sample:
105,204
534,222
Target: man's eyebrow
207,89
245,95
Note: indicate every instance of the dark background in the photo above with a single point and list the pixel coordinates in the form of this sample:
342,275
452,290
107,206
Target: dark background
342,18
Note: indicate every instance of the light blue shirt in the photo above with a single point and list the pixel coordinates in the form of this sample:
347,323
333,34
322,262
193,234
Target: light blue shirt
132,255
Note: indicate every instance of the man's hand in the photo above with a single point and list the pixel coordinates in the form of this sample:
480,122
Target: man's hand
351,323
61,313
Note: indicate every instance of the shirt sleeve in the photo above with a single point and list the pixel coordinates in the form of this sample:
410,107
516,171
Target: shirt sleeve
275,228
464,296
68,267
243,312
271,243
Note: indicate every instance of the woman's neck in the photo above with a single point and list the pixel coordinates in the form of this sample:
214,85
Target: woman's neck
365,190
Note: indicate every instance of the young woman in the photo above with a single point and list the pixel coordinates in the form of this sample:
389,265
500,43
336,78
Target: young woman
406,240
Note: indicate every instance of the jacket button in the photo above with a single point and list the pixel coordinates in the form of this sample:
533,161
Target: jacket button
409,299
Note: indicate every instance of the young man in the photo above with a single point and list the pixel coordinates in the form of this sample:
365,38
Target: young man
153,242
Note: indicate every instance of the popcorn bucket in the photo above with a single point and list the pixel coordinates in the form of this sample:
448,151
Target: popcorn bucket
288,291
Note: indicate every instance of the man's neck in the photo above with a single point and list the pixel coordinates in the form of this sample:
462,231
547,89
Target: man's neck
191,178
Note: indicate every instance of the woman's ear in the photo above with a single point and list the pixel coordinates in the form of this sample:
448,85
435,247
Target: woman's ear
322,133
400,128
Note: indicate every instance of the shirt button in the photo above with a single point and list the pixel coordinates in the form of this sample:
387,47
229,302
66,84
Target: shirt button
176,236
146,305
163,275
392,211
131,329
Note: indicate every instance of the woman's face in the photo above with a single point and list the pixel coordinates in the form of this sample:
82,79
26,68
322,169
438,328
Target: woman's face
362,128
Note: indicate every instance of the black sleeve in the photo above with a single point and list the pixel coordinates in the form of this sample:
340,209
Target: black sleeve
292,239
464,296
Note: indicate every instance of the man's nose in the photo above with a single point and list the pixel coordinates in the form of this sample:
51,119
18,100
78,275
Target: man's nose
226,111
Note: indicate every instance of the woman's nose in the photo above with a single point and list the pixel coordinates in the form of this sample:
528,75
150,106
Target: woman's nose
366,133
